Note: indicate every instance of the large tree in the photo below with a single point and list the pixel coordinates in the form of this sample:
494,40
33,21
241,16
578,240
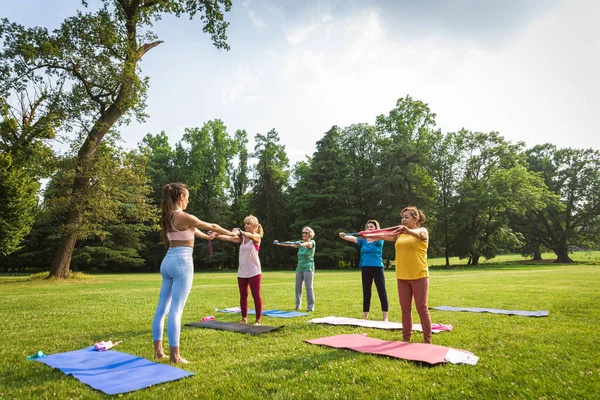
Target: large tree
324,200
240,181
571,218
209,154
94,57
240,184
268,200
359,146
493,184
404,173
119,213
29,119
161,162
446,156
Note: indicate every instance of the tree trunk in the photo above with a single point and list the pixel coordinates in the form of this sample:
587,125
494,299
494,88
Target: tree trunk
446,247
562,254
475,260
87,152
537,253
62,258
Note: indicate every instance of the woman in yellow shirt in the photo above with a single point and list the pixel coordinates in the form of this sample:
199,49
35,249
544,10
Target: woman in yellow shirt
412,274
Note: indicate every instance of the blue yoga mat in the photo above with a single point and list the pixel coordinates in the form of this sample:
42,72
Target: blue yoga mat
112,372
541,313
268,313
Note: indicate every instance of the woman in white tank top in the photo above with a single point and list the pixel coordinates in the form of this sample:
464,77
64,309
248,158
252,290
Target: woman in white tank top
249,270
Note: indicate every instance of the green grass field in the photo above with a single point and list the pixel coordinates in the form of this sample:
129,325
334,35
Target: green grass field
555,357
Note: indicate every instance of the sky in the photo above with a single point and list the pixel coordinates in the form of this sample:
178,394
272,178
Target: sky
527,69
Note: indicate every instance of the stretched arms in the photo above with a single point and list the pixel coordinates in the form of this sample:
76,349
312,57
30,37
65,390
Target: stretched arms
205,236
349,238
185,219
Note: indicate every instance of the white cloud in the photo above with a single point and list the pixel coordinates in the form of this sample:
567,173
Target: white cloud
256,21
242,82
326,17
330,64
300,33
541,88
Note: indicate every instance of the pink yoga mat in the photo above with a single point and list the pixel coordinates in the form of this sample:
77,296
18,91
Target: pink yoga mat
428,353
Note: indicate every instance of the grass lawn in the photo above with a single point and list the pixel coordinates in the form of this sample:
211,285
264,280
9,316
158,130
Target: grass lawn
554,357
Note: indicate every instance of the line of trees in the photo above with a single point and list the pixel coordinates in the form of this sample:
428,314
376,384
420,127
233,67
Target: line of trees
79,84
482,194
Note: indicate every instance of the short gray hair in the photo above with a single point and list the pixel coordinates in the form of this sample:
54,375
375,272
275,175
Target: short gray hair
312,233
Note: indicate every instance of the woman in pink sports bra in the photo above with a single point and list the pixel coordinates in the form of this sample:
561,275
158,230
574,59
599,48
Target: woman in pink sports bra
178,228
249,271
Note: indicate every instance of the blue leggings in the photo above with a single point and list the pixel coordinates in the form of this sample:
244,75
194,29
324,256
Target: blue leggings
177,270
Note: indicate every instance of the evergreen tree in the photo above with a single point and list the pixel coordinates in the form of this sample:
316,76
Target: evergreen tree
209,157
323,200
268,200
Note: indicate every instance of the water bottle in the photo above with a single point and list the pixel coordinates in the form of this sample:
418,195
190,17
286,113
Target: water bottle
209,318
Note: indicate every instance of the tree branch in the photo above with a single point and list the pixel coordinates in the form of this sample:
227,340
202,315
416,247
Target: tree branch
85,83
146,47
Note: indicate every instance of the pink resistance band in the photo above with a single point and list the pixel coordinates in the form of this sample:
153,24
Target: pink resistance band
378,232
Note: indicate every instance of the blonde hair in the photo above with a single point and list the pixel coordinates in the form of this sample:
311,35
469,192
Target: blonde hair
312,233
374,222
415,213
251,219
171,193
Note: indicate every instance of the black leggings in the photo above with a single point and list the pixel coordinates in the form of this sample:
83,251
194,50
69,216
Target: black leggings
370,274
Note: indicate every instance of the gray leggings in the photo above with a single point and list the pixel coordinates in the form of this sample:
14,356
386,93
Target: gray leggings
307,277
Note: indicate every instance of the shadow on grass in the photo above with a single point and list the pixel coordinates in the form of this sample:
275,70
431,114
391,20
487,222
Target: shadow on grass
512,265
34,375
320,359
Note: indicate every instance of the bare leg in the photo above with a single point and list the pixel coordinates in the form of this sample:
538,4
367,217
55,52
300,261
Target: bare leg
385,318
175,358
159,353
366,315
244,320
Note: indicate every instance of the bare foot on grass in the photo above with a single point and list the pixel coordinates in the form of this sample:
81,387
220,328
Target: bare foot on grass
179,360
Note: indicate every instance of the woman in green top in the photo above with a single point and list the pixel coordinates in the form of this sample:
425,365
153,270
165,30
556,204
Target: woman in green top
305,272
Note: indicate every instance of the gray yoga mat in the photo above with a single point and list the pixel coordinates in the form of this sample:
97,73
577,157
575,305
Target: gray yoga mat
235,327
540,313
